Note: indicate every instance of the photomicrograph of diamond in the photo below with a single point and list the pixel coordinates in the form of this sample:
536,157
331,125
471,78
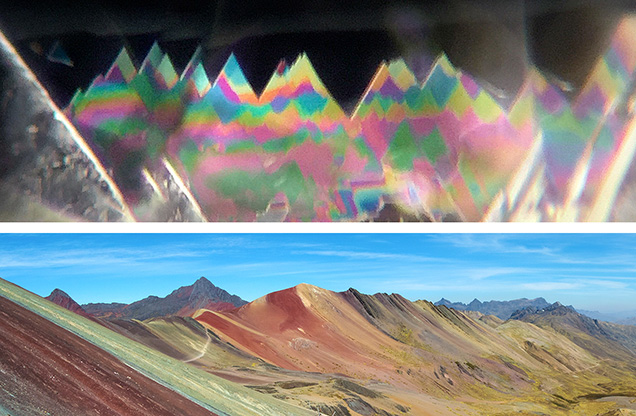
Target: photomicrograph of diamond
435,146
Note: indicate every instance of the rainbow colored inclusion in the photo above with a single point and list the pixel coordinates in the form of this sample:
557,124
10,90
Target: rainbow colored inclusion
437,147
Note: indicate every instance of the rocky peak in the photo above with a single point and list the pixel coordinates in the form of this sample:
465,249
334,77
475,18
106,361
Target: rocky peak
557,308
58,293
182,302
63,299
443,301
202,285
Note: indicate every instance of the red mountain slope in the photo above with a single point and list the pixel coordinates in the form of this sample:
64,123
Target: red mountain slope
384,338
312,329
45,369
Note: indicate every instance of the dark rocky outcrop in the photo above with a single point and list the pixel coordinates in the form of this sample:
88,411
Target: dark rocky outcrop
62,298
182,302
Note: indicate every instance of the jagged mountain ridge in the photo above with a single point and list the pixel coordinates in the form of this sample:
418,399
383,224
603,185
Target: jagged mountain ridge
501,309
104,310
434,349
603,339
504,309
182,302
556,308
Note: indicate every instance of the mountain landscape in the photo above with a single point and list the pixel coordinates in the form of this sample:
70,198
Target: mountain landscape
504,309
501,309
184,301
308,350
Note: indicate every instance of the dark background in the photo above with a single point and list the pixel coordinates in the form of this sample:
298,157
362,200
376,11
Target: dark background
345,40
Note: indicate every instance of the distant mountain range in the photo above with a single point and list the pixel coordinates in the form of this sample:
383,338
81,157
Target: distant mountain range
181,302
504,309
501,309
627,321
625,317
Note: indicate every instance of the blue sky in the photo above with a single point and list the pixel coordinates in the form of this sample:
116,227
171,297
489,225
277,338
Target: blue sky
589,271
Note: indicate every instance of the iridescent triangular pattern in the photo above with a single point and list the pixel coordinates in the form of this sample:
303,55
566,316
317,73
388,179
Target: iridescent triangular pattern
437,146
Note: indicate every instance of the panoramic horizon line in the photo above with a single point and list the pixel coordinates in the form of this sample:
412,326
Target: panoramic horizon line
313,285
603,316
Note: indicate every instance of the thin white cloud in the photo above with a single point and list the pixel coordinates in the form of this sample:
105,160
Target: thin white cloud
53,257
576,284
397,286
303,245
492,243
608,284
611,260
412,285
606,276
276,269
547,286
505,243
247,242
367,255
486,272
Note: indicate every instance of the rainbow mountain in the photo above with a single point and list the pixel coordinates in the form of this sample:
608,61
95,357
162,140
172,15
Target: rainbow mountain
439,148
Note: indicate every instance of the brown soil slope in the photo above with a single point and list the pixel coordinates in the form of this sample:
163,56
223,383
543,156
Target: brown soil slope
458,351
184,339
139,332
45,369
